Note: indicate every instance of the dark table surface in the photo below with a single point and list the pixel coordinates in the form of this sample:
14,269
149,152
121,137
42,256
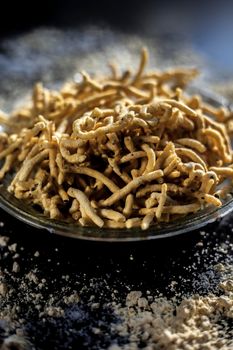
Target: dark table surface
101,273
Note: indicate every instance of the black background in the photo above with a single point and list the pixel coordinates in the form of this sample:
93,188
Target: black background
208,25
129,15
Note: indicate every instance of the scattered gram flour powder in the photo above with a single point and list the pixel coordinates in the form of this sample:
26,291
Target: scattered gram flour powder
181,323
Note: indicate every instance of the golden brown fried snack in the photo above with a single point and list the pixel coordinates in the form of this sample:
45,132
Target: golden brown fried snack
122,151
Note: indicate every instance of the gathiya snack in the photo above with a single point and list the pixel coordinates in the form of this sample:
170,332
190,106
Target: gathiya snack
127,150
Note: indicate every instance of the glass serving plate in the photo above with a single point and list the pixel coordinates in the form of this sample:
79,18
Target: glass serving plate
31,216
186,224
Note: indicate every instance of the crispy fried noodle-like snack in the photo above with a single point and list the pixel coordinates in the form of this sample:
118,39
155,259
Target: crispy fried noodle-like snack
127,150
